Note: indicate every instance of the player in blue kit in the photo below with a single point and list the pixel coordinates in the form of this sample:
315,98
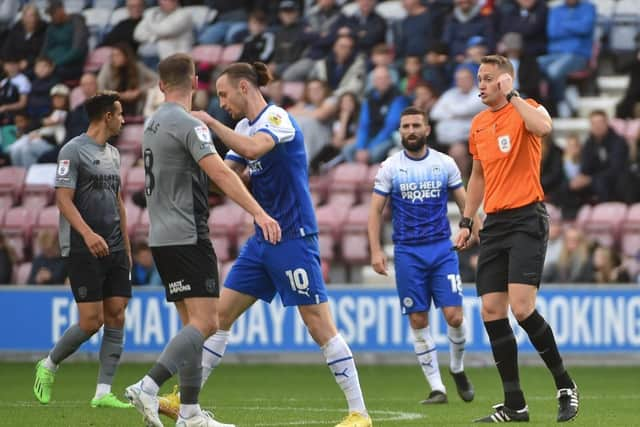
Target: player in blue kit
269,144
417,180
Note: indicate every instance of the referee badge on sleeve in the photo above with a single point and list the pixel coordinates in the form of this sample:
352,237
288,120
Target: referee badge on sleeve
504,143
63,167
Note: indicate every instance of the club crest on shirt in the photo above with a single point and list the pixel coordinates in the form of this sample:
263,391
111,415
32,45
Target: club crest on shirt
275,119
63,167
203,133
407,302
436,170
504,143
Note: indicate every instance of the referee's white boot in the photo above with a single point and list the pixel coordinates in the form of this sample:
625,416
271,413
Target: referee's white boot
145,403
203,419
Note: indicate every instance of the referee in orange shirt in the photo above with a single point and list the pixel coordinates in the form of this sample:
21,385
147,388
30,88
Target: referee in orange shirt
505,142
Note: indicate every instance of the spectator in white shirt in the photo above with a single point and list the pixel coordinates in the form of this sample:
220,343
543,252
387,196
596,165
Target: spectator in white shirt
168,26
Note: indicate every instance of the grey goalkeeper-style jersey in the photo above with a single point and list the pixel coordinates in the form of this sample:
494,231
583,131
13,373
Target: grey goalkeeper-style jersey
176,188
93,171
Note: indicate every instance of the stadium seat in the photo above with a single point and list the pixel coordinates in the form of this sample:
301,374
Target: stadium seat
135,181
207,55
346,180
21,273
18,226
231,53
331,218
630,244
357,219
366,187
583,216
355,249
227,220
130,139
605,222
12,181
222,246
6,201
327,246
319,186
631,222
39,185
633,130
96,58
295,90
47,219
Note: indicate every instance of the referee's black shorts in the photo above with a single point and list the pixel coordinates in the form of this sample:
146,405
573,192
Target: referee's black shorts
188,271
513,245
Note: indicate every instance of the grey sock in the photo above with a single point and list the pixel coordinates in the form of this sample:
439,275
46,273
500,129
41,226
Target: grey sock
191,378
183,350
110,351
68,343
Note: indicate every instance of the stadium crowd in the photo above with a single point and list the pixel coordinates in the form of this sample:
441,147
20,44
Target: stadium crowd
345,72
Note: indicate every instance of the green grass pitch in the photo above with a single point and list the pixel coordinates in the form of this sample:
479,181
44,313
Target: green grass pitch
303,395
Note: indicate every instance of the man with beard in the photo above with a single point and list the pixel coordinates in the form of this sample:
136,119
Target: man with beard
417,180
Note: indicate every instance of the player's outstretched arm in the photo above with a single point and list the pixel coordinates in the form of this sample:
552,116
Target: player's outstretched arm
249,147
230,183
96,244
378,257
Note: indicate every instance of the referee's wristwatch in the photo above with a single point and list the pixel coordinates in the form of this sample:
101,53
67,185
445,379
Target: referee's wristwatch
512,94
466,222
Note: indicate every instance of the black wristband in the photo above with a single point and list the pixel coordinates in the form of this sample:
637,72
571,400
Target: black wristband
512,94
466,222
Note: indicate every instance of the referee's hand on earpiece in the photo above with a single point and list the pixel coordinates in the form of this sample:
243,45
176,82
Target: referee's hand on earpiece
269,226
96,244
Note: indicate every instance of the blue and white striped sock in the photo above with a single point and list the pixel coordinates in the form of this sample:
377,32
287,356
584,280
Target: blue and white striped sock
212,353
340,361
425,349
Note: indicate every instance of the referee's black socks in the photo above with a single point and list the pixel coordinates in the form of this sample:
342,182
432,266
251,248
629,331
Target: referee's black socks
505,353
542,338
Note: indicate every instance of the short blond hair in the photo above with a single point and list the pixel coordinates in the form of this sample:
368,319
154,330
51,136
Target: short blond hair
502,62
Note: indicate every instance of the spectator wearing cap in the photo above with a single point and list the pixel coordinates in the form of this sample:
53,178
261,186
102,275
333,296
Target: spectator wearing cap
66,41
570,30
127,76
527,18
319,37
453,113
26,38
14,89
290,37
465,21
343,69
123,31
476,49
168,27
528,76
416,30
39,101
368,28
26,150
379,119
438,67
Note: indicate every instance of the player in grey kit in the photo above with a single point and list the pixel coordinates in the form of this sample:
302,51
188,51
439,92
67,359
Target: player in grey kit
178,157
94,240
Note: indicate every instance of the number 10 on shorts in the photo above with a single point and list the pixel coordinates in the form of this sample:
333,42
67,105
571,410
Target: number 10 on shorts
299,280
456,283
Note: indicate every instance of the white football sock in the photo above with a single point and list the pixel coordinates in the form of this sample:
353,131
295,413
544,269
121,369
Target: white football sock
340,361
188,411
212,353
425,349
149,386
457,341
101,390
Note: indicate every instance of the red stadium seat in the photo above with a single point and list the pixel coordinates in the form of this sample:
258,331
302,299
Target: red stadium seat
630,244
18,226
207,55
12,181
366,187
357,218
6,201
331,218
222,246
605,222
96,58
327,246
346,180
130,139
631,223
319,186
21,273
355,249
228,220
583,216
231,53
134,181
